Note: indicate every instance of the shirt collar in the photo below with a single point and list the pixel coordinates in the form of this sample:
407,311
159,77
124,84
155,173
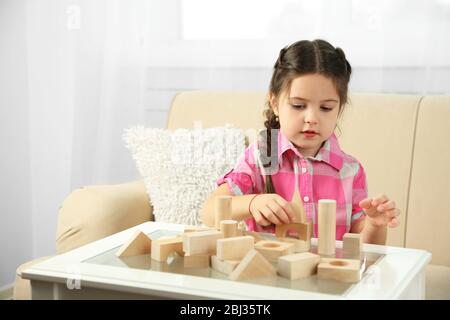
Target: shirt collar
330,152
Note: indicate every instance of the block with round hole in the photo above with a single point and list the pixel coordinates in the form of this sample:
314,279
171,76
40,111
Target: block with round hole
272,250
344,270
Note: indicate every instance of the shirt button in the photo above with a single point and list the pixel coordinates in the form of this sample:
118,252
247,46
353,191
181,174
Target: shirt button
306,198
304,170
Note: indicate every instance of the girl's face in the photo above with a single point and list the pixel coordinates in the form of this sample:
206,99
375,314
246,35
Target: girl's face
308,112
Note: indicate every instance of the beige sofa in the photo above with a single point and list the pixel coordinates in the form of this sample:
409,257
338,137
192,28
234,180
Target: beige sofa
403,141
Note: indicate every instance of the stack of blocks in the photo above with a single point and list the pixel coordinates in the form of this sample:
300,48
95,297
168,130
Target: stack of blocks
250,255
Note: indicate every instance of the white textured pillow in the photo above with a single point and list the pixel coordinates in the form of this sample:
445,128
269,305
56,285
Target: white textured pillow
180,167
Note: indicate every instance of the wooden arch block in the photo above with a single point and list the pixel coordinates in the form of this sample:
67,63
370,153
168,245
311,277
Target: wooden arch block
303,229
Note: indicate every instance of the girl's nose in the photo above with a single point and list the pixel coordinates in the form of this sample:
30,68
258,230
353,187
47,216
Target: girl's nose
310,117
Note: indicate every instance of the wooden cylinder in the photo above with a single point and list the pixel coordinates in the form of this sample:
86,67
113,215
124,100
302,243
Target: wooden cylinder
229,228
222,210
327,227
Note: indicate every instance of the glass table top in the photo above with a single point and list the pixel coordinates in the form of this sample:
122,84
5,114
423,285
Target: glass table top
174,264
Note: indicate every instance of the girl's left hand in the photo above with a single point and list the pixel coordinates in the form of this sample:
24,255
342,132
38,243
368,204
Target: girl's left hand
381,211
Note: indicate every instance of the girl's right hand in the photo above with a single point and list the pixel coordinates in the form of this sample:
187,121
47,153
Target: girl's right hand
271,208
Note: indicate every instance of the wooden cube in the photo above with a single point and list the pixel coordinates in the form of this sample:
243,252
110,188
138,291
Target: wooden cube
196,261
201,242
234,248
272,250
298,265
352,245
224,266
344,270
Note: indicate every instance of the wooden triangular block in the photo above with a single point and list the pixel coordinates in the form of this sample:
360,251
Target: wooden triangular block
253,265
297,206
138,244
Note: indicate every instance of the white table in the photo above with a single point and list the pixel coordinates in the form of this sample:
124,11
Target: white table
92,271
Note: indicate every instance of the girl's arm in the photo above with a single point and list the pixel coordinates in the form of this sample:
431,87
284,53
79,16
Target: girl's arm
370,233
239,208
267,208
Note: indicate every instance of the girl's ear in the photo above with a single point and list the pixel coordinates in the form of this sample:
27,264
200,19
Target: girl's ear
273,102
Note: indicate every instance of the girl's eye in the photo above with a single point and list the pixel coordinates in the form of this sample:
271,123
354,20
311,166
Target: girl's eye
298,106
326,109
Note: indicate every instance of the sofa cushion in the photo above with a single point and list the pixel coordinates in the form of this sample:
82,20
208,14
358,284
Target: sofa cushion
180,167
94,212
429,212
437,282
22,288
378,129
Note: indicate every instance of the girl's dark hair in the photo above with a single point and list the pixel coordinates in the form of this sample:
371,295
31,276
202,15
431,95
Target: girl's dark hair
301,58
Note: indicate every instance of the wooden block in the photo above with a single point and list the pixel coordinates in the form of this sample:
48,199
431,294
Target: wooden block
234,248
229,228
224,266
197,228
201,242
303,230
162,248
272,250
327,227
352,245
344,270
252,266
299,245
297,205
222,210
298,265
139,243
196,261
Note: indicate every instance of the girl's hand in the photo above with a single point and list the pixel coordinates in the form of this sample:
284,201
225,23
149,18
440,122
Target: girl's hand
381,211
271,208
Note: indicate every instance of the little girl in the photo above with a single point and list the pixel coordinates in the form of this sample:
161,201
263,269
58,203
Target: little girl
307,94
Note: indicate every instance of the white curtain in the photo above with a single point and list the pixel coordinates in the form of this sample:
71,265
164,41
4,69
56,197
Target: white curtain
85,86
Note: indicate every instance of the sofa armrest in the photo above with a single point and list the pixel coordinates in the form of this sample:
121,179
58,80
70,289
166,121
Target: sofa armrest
94,212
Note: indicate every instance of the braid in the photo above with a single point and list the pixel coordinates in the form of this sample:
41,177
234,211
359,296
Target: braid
280,60
271,123
348,68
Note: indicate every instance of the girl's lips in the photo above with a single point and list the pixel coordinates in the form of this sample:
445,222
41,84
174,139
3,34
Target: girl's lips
309,134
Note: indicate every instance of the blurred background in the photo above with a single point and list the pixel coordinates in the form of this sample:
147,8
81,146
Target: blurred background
74,74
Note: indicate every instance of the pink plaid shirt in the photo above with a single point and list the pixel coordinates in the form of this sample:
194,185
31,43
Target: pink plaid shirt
331,174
